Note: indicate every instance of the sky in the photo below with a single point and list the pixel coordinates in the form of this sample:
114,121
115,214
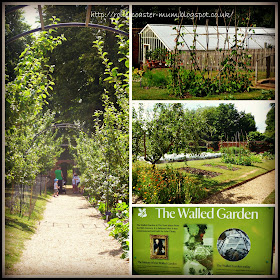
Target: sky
258,109
32,15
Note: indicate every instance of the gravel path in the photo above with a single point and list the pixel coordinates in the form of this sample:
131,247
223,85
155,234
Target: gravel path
72,240
252,192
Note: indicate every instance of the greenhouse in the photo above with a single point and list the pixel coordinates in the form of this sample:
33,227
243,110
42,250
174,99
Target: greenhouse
205,39
234,245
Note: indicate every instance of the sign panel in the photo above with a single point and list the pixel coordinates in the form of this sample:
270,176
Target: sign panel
202,240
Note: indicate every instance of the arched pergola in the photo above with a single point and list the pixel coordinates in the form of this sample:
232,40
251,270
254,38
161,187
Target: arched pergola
53,126
69,24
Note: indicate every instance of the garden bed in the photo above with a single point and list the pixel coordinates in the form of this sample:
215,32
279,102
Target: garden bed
160,185
222,167
196,171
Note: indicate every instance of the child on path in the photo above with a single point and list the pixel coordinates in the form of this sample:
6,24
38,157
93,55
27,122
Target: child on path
55,188
75,183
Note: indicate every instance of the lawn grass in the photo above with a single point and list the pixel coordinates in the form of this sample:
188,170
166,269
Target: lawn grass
153,93
270,199
140,93
227,178
20,229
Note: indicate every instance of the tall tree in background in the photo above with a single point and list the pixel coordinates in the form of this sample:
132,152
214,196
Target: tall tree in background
169,127
270,123
227,122
260,15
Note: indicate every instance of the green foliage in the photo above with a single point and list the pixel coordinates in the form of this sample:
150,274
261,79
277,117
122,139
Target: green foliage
154,185
119,227
137,74
14,25
232,77
227,123
27,153
268,156
270,122
80,71
256,136
170,127
239,155
101,207
102,157
266,95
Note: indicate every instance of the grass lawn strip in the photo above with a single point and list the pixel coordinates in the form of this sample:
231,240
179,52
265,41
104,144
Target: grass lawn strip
223,167
241,183
18,230
270,199
153,93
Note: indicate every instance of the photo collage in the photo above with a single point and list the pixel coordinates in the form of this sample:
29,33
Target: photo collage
140,139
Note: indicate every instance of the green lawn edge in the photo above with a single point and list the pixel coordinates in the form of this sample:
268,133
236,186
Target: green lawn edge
20,229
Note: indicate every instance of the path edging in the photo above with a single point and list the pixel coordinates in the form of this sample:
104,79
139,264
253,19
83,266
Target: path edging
234,186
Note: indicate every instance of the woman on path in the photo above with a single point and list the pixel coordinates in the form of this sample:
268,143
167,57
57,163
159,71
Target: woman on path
59,176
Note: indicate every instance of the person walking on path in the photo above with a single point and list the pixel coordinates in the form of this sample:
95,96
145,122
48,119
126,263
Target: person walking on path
59,176
75,183
55,187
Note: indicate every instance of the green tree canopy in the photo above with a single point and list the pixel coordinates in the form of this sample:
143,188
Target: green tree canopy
79,70
270,122
260,15
227,123
168,127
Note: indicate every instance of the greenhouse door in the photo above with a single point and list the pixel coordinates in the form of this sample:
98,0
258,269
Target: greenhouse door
146,47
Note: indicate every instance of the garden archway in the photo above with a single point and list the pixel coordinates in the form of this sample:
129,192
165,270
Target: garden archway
65,164
70,24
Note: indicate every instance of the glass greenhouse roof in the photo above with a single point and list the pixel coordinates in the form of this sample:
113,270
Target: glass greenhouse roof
256,37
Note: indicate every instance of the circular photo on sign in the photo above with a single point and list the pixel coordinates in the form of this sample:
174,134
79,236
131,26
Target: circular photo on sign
233,244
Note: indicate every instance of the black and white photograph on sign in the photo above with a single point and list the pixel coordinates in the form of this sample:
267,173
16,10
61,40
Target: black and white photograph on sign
233,244
183,52
198,249
159,246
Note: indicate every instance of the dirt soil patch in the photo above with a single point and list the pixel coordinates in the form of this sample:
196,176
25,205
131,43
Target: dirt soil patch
197,171
222,167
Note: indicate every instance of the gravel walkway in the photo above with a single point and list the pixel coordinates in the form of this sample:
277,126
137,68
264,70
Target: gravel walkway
72,240
252,192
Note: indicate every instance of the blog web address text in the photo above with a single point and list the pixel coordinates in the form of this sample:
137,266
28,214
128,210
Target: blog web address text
183,15
163,15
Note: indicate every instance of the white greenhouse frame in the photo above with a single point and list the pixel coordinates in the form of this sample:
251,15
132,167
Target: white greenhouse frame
209,38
